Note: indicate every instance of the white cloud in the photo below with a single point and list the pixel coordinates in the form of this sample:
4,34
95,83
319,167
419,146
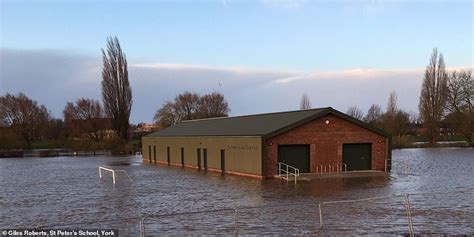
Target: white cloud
53,78
352,74
236,70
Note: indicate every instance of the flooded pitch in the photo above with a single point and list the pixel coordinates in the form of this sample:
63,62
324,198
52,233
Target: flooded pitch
66,192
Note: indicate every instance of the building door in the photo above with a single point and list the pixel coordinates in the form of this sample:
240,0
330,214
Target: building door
182,156
149,154
295,155
357,156
204,155
168,158
223,161
199,158
154,154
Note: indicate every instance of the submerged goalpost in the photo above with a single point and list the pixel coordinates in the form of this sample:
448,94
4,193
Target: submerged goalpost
113,173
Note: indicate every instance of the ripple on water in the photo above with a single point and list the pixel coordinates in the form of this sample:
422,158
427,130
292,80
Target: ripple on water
65,192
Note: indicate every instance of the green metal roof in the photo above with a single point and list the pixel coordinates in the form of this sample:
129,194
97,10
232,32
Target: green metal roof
265,125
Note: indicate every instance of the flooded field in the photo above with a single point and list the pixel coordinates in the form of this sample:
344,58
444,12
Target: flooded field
66,192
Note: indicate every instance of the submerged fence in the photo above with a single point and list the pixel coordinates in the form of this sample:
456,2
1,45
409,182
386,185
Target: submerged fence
447,212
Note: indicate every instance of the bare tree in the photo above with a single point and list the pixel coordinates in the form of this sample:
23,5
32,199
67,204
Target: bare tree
213,105
460,91
397,125
167,115
394,121
116,91
392,107
55,129
24,116
374,115
85,117
460,102
434,91
3,122
305,103
189,106
355,112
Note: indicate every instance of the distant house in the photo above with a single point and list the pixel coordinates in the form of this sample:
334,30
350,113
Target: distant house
143,129
254,145
417,128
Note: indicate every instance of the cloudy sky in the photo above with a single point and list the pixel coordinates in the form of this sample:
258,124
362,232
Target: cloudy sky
262,54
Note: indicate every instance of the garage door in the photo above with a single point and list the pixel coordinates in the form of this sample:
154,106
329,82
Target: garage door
295,155
357,156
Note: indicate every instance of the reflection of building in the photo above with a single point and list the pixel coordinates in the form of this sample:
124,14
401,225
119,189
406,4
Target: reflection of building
143,129
253,145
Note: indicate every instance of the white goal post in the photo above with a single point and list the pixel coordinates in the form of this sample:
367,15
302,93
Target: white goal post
113,173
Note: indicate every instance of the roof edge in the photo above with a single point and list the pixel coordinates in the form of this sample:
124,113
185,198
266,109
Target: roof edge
177,136
249,115
328,110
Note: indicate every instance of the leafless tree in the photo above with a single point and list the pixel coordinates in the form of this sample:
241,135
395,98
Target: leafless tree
305,103
374,115
167,115
392,107
24,116
116,90
434,91
213,106
395,121
459,106
55,129
397,125
355,112
187,106
85,117
460,91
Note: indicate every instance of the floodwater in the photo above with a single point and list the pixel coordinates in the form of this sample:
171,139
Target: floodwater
66,192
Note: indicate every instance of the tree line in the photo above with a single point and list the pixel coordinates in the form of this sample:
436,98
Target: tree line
189,106
90,124
23,119
393,120
446,98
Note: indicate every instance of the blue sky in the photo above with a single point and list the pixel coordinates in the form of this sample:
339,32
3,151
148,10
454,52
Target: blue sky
283,38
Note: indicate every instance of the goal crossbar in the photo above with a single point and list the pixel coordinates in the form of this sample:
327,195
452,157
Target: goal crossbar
113,173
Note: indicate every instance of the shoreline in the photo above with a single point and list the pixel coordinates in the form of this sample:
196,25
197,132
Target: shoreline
439,144
56,152
61,152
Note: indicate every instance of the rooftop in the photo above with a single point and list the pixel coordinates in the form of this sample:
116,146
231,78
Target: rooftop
252,125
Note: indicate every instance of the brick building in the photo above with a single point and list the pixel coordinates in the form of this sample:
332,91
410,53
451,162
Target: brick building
142,129
253,145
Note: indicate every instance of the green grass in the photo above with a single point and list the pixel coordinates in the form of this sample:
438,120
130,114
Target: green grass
50,144
422,138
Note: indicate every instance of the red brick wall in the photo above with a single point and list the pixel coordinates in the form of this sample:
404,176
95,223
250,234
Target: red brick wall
326,142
